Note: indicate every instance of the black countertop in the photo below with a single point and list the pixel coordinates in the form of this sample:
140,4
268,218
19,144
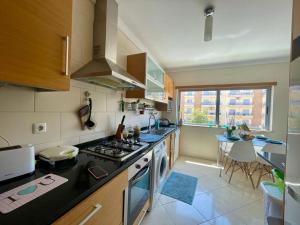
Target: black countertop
52,205
276,160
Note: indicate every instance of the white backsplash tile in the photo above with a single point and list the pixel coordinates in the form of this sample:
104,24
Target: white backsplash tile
70,126
70,141
105,121
16,127
16,99
99,102
59,101
113,102
90,137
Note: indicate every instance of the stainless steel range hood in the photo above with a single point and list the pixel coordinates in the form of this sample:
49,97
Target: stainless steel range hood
103,70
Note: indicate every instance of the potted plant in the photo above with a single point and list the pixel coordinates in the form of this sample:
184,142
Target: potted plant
230,130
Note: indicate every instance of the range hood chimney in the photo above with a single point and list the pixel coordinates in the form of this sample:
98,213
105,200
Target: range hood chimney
103,70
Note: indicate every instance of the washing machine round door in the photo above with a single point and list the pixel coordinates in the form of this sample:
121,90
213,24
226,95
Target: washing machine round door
162,168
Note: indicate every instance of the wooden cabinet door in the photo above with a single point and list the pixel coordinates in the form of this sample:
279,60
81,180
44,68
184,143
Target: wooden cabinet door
110,197
33,43
296,20
169,86
172,150
168,147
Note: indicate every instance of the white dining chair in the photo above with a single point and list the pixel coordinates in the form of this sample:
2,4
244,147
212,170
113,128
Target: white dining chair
263,167
242,154
224,149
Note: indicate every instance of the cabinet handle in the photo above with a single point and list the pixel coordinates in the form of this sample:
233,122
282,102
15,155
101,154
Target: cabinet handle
97,207
66,56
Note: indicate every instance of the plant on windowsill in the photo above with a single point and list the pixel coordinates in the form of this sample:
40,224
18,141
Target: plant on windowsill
230,130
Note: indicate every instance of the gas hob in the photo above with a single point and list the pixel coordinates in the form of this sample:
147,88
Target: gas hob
118,150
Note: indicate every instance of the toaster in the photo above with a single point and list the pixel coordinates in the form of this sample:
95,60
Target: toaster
16,161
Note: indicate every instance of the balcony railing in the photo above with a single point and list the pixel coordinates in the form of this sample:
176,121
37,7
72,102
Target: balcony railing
208,103
239,114
240,93
239,103
209,94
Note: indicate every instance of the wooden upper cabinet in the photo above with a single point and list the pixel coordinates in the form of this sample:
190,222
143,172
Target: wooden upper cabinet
142,67
296,19
169,86
169,95
34,43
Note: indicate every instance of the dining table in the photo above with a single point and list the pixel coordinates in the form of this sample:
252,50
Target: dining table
276,160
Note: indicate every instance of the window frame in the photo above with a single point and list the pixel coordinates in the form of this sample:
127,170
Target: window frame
268,109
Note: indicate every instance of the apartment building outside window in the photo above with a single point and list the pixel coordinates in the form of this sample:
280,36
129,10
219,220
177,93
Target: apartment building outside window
227,107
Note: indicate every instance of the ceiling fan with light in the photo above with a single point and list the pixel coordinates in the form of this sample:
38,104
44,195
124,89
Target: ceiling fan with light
208,13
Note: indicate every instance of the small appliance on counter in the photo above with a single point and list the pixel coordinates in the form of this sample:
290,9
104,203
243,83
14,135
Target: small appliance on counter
16,161
59,153
165,122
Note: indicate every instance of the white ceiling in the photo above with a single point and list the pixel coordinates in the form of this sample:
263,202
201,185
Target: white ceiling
244,30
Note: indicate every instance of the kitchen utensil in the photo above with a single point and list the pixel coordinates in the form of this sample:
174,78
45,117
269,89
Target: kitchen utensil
120,129
89,123
83,111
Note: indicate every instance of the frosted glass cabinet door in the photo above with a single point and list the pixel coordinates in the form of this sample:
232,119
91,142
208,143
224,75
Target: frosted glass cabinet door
154,71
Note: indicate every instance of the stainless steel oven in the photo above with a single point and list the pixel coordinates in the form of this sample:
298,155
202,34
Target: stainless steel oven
139,188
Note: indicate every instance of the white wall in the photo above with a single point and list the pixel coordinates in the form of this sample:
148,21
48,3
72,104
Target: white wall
20,107
200,141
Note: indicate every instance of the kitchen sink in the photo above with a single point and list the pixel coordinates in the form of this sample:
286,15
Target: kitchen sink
160,131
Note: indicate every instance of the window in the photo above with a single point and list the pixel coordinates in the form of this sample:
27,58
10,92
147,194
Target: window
227,107
231,112
203,108
189,101
189,93
188,111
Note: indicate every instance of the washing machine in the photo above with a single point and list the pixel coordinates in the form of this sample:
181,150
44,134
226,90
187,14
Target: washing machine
160,171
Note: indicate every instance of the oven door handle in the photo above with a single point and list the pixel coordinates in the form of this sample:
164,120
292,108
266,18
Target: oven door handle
140,176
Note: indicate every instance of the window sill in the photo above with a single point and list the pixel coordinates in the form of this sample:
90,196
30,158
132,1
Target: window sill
220,127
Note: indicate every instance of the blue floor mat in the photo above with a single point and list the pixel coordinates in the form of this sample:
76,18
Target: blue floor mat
181,187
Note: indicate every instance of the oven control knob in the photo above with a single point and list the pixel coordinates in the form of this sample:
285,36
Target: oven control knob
146,159
138,166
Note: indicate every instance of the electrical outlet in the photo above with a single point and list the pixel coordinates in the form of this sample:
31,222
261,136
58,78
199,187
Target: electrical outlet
38,128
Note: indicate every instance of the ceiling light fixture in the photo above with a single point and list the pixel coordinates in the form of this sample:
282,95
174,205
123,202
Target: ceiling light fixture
208,13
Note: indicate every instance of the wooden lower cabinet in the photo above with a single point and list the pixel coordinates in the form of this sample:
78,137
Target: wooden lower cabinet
109,197
172,146
142,213
170,149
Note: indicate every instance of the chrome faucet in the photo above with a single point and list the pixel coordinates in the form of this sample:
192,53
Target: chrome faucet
149,125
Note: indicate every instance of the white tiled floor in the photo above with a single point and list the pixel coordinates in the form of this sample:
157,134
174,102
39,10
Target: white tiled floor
216,202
